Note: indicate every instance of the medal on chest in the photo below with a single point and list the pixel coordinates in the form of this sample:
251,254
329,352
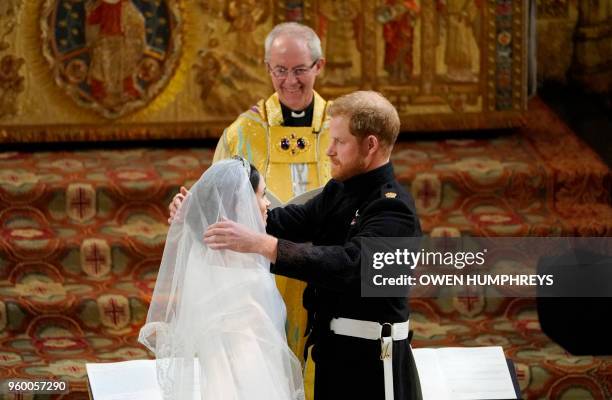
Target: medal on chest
354,220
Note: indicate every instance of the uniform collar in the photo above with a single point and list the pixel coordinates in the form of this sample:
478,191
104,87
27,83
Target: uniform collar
368,181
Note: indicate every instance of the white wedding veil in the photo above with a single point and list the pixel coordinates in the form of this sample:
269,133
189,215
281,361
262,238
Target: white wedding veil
220,308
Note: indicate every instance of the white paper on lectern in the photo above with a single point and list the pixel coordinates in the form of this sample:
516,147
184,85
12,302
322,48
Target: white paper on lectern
130,380
464,373
451,373
430,375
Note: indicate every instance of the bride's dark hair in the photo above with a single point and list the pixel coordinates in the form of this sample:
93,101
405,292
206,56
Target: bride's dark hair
254,178
254,175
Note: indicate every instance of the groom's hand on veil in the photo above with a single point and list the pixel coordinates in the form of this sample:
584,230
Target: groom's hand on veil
175,205
230,235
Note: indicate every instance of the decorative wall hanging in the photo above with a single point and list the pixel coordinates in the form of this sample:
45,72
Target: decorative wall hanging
113,56
141,69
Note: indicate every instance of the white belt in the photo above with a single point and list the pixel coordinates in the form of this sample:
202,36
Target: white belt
373,330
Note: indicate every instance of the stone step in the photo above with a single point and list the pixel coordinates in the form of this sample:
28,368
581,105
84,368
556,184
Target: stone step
105,308
539,180
509,173
58,346
100,251
80,272
543,166
118,249
85,188
103,275
488,215
513,205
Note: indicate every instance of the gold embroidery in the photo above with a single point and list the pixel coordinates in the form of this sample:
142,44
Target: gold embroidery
292,145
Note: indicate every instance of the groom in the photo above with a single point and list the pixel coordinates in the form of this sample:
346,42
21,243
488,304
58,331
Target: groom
362,200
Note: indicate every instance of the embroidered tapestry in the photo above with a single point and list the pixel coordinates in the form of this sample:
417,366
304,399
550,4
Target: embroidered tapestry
138,69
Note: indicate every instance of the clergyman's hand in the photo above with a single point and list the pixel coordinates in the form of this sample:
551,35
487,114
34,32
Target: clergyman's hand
230,235
175,205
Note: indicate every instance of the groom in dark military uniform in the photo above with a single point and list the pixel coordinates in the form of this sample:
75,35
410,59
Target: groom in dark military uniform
361,346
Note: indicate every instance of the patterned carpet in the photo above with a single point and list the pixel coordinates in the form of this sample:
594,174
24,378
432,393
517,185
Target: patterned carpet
81,236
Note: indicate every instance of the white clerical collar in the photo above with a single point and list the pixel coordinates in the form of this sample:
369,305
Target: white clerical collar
298,115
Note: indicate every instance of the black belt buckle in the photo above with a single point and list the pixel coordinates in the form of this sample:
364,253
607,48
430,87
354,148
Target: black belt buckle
386,330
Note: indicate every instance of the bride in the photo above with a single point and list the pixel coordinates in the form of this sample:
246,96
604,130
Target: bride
220,308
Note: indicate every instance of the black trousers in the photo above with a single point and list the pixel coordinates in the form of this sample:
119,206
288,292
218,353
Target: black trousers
350,368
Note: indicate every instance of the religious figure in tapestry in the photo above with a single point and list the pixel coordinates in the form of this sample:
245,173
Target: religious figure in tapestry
399,18
11,84
11,78
552,9
231,78
244,17
226,86
9,9
113,56
460,25
115,35
340,26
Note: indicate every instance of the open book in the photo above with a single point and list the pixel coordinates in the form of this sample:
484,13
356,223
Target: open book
470,373
299,199
130,380
450,373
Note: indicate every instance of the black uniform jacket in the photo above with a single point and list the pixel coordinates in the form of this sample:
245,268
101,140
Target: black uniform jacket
372,204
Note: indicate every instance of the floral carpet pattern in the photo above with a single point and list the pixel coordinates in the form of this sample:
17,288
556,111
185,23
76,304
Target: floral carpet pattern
82,232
